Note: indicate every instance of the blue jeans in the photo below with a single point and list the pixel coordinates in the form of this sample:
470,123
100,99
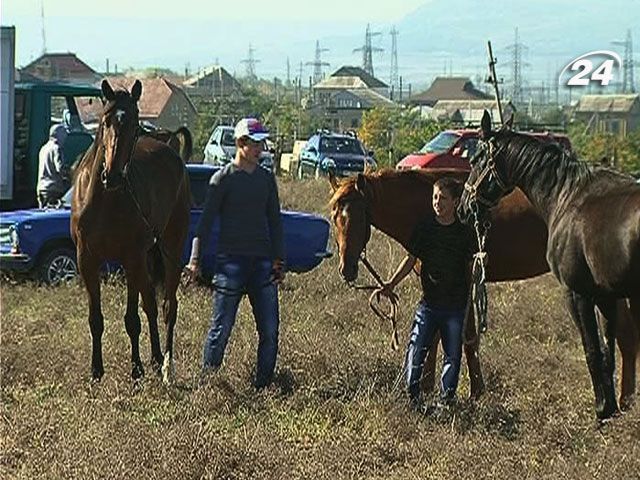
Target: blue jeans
427,321
236,275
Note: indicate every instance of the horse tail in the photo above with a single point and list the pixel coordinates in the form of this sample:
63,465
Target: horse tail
186,143
155,264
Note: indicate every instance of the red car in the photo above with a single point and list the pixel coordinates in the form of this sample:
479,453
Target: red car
452,149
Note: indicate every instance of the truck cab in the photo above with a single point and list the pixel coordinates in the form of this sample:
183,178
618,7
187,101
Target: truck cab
37,106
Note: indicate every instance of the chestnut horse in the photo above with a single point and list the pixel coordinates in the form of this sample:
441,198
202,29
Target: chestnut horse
395,201
593,218
131,204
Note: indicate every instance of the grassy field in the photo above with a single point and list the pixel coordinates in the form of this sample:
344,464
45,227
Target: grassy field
337,409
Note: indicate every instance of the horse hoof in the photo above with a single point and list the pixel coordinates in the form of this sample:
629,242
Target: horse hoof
168,370
137,372
627,402
96,374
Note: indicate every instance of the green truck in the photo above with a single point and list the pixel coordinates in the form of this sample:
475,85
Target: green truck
28,111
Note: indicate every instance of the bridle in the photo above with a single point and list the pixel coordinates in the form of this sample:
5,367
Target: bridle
123,173
489,168
375,299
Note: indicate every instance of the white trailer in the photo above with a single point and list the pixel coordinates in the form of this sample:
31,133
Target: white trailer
7,98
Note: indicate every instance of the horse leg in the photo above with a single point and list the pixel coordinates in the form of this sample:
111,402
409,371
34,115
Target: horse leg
140,277
628,338
471,344
90,272
609,310
583,313
170,314
132,325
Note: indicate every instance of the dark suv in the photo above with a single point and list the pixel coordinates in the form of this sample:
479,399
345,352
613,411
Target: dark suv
342,155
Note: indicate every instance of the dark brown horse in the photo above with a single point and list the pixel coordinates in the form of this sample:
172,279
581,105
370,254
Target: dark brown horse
179,140
593,218
131,205
394,202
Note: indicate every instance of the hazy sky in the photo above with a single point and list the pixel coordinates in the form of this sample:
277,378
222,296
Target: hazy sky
334,10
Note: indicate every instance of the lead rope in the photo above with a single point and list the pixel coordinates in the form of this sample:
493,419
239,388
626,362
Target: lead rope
479,276
375,300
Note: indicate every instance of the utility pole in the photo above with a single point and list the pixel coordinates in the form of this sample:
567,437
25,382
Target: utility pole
250,63
493,79
367,51
288,73
318,63
628,84
44,36
393,77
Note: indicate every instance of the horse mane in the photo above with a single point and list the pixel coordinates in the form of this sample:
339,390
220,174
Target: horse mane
348,185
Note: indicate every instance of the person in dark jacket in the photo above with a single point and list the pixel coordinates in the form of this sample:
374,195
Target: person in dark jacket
53,172
250,251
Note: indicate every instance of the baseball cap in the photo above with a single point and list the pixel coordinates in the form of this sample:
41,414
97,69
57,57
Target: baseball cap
252,128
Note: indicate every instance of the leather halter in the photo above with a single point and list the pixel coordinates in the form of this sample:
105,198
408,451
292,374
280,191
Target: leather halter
490,167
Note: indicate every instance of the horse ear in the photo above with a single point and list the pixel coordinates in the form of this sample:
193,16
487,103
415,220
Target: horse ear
485,124
136,90
362,186
107,91
333,181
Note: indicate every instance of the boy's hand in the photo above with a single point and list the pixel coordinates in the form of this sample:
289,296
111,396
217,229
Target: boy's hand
277,271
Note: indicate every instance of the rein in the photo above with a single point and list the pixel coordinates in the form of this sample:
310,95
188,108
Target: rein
375,300
479,275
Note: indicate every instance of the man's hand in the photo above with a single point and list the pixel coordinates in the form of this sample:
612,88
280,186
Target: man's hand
277,271
191,272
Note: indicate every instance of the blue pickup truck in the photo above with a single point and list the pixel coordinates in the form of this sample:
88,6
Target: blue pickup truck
38,243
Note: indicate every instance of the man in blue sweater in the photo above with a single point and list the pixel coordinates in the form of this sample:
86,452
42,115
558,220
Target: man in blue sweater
250,254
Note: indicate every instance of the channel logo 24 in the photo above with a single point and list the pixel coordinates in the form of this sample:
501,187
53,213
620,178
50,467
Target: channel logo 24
599,66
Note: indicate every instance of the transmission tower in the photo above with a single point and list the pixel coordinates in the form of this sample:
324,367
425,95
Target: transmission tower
288,73
367,51
393,77
517,49
318,63
250,63
628,84
44,36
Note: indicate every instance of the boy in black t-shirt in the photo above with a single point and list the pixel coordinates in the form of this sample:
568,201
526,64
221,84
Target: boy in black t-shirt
445,247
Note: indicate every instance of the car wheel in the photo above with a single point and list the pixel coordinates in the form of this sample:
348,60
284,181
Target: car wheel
300,171
59,265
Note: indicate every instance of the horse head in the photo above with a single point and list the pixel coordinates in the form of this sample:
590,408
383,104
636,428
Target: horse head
490,178
118,132
352,220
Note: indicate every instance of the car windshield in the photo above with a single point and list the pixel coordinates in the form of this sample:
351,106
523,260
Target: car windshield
341,145
441,143
227,138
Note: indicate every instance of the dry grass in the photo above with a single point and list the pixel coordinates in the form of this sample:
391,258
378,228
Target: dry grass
336,410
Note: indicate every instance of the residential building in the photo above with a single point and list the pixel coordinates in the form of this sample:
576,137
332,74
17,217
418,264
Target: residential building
617,114
342,98
60,67
162,103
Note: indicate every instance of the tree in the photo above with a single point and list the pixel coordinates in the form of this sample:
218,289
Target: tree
393,133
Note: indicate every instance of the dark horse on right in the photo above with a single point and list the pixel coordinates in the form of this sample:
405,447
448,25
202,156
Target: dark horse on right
593,220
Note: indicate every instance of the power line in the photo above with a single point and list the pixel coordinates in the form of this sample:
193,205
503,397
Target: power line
318,63
250,63
367,51
628,84
393,76
517,49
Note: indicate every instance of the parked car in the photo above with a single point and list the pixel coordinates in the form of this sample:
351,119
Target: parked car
221,148
37,242
342,155
452,149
